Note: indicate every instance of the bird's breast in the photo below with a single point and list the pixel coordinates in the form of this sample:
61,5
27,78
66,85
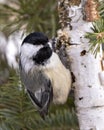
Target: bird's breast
61,82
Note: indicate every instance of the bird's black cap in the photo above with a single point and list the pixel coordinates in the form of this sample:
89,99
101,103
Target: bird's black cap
36,38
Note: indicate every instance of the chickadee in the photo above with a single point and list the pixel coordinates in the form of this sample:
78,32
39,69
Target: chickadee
42,73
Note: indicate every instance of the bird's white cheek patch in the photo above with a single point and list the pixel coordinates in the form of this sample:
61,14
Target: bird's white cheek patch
28,50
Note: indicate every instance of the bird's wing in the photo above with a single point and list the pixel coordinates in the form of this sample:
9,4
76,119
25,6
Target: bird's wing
42,98
39,89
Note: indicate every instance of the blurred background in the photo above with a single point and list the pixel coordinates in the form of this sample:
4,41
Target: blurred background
17,19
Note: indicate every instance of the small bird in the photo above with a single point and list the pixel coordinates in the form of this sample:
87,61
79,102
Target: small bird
44,76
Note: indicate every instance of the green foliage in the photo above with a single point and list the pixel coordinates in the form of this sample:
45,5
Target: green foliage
29,16
14,106
97,37
101,9
18,113
60,120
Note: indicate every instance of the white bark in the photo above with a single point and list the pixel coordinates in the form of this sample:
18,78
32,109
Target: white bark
89,92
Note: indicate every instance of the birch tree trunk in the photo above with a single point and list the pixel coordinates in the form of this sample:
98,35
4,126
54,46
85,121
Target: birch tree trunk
87,70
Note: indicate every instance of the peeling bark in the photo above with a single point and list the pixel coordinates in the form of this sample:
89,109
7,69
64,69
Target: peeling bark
89,93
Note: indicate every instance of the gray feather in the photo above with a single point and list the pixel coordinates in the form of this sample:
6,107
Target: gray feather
39,89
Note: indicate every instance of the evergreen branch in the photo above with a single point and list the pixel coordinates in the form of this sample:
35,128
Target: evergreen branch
32,16
18,113
101,9
96,38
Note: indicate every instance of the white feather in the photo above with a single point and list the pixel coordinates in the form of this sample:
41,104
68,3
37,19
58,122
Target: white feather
27,52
